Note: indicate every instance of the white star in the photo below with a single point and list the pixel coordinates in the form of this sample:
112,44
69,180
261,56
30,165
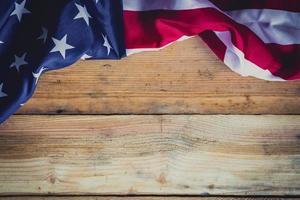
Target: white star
82,13
2,94
20,10
85,56
38,74
44,35
96,1
19,61
106,44
1,42
61,46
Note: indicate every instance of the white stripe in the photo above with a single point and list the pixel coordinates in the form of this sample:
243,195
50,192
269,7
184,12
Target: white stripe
138,50
272,26
236,61
144,5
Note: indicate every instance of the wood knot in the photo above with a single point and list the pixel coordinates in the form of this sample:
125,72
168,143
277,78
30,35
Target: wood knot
52,179
162,178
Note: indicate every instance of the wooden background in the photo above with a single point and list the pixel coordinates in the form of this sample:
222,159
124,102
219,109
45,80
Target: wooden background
174,122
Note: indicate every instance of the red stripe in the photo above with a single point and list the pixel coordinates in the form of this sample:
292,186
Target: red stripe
288,5
216,45
153,29
288,56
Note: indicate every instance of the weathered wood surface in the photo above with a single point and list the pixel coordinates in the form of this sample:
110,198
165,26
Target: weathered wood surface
44,154
183,78
147,154
140,198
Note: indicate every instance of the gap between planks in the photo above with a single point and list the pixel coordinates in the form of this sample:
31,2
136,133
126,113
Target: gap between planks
140,198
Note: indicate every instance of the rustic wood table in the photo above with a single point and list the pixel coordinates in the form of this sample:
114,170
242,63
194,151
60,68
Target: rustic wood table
176,123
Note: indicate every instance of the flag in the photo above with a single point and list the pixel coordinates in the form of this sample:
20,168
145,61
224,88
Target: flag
259,38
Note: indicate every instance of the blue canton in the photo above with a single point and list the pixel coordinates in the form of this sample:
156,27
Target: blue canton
41,35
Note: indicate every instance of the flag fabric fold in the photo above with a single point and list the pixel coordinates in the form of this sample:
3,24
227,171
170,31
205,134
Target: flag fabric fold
38,36
259,38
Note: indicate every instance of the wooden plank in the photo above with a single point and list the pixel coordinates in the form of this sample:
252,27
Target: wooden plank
139,198
151,154
183,78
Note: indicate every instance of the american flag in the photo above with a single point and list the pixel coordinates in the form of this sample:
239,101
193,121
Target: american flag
259,38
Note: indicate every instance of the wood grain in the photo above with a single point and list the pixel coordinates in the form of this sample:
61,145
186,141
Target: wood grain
185,78
150,154
139,198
